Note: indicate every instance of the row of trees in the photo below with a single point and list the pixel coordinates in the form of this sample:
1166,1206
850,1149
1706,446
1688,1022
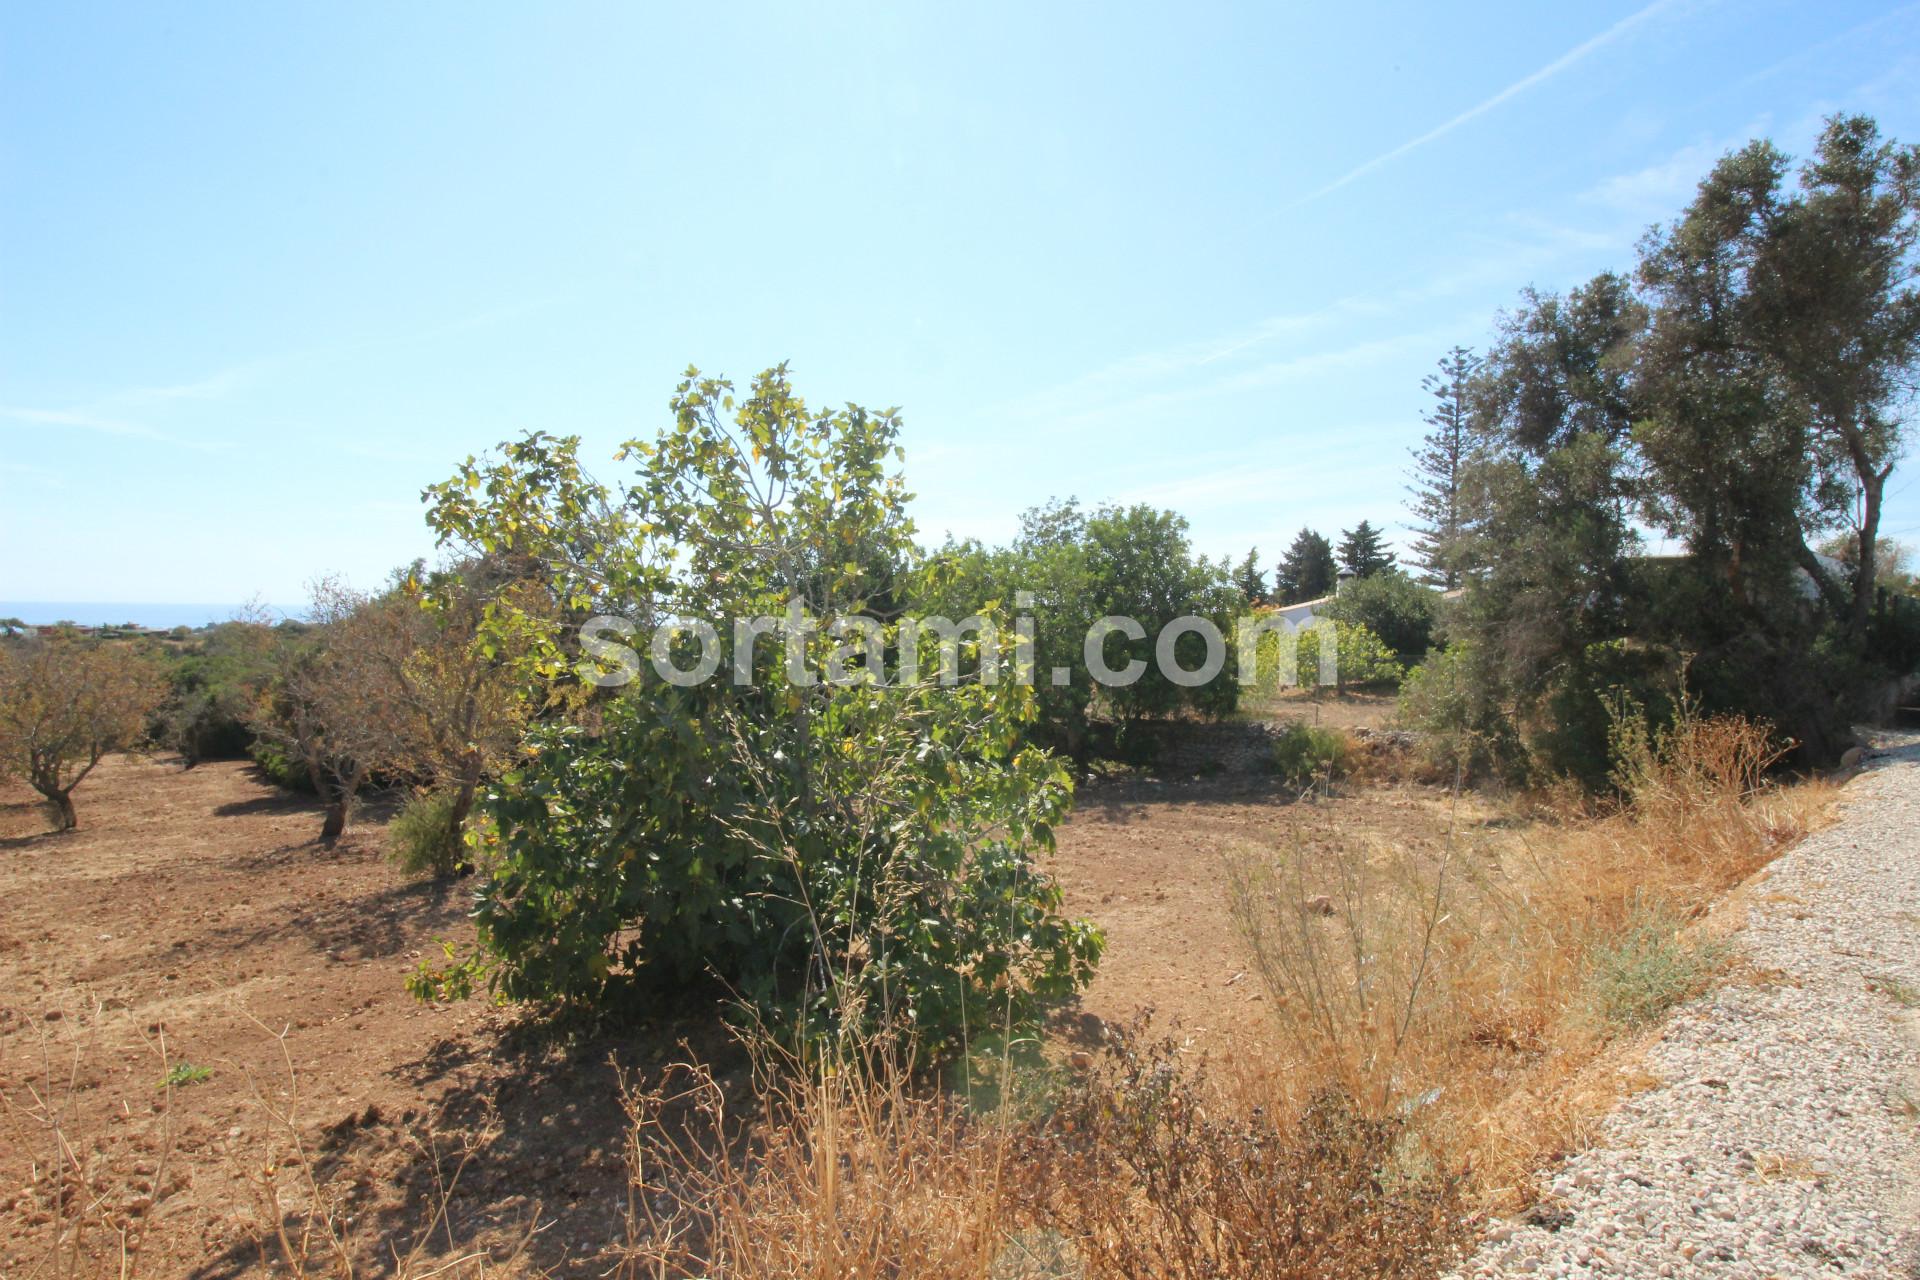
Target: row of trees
1744,391
399,685
396,685
1312,567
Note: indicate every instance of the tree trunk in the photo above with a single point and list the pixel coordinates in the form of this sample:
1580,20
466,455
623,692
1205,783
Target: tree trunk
62,802
335,821
1830,591
1872,486
457,819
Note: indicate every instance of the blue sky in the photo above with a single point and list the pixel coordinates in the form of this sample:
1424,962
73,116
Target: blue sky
267,270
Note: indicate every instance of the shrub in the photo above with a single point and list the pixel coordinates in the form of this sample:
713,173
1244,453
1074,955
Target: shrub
1458,730
1648,967
1394,607
1303,752
281,767
836,853
423,838
214,681
204,724
1151,1176
1360,656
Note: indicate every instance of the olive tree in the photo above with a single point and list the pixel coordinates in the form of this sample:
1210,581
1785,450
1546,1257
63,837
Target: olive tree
64,705
323,703
446,705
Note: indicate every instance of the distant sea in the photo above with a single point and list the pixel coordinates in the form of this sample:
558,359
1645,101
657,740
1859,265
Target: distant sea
94,613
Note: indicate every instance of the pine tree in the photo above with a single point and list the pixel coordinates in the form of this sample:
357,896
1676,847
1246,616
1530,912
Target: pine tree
1363,552
1437,464
1307,571
1252,583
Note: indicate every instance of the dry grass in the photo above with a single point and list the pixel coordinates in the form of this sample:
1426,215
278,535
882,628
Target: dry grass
1150,1173
303,1218
847,1171
1444,1025
1475,992
82,1185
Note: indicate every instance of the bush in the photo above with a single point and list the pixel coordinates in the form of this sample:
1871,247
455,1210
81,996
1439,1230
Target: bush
214,681
423,838
835,855
204,724
1394,607
1440,701
1303,752
281,767
1151,1177
1638,974
1471,720
1360,656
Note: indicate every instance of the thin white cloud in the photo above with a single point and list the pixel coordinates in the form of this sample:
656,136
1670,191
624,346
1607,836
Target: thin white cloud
1660,188
1568,59
46,477
81,421
215,386
1801,57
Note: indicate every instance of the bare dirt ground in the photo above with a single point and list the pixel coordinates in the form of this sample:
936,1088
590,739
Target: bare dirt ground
193,908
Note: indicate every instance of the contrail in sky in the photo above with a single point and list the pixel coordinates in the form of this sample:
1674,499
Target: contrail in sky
1513,90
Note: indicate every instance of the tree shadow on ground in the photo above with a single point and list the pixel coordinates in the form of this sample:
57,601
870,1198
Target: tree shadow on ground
367,926
273,802
523,1127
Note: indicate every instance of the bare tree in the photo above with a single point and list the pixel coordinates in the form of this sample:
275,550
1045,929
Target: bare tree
324,704
64,705
451,707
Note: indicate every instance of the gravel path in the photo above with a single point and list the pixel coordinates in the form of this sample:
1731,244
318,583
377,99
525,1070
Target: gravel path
1784,1140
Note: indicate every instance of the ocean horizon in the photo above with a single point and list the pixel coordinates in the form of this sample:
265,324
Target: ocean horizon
108,613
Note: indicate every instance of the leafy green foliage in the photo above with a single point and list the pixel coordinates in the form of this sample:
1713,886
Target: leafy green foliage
1077,568
213,681
1400,611
1445,699
1142,566
1361,656
182,1074
281,767
1305,752
837,854
1637,975
425,838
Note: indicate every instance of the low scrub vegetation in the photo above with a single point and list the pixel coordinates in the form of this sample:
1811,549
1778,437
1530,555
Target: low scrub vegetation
1648,967
1305,753
426,839
1472,986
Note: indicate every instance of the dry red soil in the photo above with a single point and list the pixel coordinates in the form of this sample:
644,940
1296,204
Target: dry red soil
192,919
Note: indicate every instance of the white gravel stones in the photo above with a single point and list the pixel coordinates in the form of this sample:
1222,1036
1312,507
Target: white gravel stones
1784,1141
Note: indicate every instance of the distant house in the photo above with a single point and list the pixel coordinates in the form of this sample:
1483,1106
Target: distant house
1295,614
